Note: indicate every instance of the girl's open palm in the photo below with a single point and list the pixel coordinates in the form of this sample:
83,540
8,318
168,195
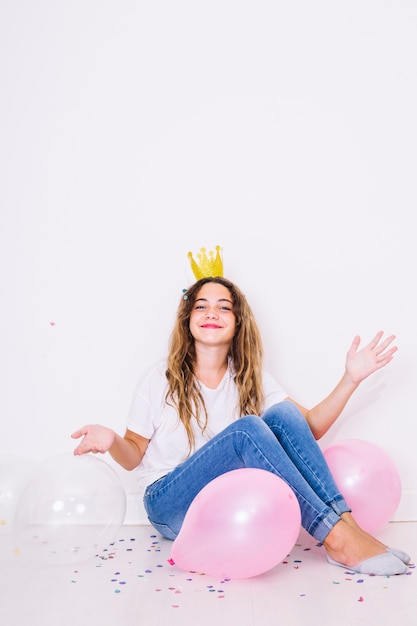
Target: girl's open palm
96,438
377,354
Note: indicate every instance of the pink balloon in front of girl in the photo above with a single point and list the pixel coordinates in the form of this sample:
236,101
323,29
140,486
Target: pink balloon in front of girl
241,524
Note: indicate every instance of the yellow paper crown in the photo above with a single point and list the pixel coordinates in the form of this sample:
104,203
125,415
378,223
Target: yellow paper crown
210,264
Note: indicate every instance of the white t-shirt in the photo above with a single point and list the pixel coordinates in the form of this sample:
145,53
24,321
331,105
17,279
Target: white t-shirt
151,417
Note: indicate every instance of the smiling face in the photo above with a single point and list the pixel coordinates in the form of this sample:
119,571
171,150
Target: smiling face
212,320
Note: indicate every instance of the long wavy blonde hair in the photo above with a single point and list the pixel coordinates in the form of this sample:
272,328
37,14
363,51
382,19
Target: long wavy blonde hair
246,356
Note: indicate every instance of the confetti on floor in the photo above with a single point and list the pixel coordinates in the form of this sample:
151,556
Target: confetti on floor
131,561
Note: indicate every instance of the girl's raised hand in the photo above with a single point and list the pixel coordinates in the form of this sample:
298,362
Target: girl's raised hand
377,354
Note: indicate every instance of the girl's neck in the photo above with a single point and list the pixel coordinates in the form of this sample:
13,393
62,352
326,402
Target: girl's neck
211,368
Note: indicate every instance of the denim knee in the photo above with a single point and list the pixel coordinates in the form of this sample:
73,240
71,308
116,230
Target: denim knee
250,424
283,412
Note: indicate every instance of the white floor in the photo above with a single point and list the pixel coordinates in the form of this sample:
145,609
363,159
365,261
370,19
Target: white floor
132,583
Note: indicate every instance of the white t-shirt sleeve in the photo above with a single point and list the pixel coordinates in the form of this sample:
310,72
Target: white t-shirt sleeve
151,417
148,402
274,393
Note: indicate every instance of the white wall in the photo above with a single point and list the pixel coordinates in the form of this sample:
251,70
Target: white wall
132,132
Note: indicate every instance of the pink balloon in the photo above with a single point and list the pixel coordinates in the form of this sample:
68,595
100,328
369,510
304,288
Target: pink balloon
368,479
241,524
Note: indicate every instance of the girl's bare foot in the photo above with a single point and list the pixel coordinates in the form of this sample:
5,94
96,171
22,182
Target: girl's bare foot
348,546
345,544
350,520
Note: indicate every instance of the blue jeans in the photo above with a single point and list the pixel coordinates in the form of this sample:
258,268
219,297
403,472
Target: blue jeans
280,442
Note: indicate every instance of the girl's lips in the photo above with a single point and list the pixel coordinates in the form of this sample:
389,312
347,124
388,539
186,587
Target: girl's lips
210,326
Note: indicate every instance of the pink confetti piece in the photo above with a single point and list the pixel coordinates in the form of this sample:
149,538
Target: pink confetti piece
171,561
360,599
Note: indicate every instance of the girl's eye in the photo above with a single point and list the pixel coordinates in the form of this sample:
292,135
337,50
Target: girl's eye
201,307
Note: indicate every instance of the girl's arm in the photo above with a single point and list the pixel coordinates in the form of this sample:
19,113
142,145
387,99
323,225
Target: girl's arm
127,451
